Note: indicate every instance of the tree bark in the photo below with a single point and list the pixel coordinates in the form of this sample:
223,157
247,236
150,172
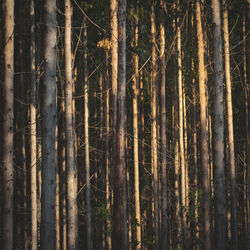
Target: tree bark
7,170
204,131
57,191
48,128
135,87
114,71
218,131
247,89
72,235
33,147
164,233
154,130
86,133
181,137
119,240
234,231
107,147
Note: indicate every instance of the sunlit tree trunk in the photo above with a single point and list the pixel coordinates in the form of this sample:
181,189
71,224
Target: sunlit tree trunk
181,137
119,240
234,231
218,131
154,129
135,86
48,128
7,233
164,231
114,71
86,133
143,153
204,131
33,159
177,213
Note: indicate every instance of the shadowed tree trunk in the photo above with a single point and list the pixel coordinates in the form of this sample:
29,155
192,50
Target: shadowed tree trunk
119,240
7,171
48,128
164,233
72,235
218,131
246,90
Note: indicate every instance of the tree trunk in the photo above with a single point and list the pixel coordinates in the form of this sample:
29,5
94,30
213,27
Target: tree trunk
164,236
195,152
204,131
154,130
114,72
48,128
246,90
8,126
185,150
175,122
119,240
72,235
135,87
218,131
181,137
63,175
57,192
107,156
234,231
33,159
86,133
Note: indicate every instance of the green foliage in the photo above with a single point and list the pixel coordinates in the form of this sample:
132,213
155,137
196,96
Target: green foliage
101,213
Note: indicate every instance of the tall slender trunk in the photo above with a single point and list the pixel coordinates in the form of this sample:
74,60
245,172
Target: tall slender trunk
176,150
57,193
33,159
114,72
234,231
63,175
48,128
143,153
185,150
164,236
218,131
86,133
107,146
119,210
135,87
195,162
181,137
154,129
204,131
246,90
70,154
8,126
